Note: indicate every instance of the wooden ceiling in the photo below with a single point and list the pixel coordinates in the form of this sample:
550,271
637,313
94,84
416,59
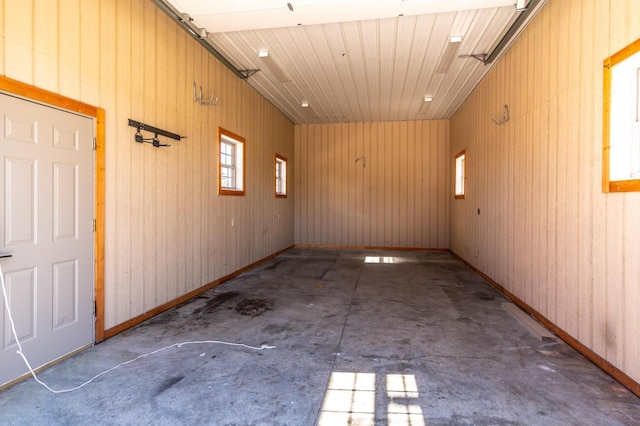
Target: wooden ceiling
354,60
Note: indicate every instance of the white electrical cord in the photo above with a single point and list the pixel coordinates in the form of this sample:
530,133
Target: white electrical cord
175,345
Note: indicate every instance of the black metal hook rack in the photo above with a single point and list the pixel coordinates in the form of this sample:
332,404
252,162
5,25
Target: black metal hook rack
154,140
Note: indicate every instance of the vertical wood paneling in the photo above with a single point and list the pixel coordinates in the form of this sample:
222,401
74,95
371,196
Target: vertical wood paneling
397,198
167,232
569,250
89,45
69,50
2,40
127,301
18,40
45,58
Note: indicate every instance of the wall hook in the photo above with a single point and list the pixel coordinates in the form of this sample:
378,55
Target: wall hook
213,100
505,117
364,161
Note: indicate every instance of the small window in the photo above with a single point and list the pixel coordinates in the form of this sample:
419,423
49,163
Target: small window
281,176
231,163
460,174
621,130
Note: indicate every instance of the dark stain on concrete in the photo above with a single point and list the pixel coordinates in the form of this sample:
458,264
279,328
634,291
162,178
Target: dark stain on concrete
274,265
275,329
254,307
215,302
484,296
168,384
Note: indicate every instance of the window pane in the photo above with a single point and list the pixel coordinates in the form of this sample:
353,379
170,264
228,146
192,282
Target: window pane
227,174
460,175
621,144
230,163
226,153
281,176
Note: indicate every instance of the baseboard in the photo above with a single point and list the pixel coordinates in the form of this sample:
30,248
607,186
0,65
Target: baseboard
152,313
40,369
600,362
347,247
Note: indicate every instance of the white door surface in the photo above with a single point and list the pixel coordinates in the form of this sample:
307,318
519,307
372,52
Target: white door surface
46,224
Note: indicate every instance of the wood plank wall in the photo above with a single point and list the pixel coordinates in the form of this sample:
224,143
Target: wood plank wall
395,195
546,231
167,232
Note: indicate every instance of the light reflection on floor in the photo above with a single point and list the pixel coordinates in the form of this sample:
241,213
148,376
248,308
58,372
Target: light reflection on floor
379,259
351,400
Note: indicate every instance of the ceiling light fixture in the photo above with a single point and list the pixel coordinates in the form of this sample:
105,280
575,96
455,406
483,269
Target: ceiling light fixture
448,54
309,114
425,104
273,66
305,104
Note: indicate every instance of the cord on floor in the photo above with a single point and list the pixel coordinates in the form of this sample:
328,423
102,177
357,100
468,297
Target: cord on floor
175,345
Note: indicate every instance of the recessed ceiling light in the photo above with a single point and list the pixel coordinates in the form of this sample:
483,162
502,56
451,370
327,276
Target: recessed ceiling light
263,54
448,54
305,104
425,105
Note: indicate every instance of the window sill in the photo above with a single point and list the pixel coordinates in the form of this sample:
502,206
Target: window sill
225,191
624,186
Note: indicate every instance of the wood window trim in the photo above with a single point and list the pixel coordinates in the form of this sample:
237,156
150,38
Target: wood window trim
464,175
225,191
275,180
631,185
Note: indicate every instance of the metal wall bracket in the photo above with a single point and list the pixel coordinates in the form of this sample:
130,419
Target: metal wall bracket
482,57
154,140
505,116
248,73
213,100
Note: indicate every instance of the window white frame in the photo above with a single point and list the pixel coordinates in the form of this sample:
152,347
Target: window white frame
280,176
621,121
231,163
460,168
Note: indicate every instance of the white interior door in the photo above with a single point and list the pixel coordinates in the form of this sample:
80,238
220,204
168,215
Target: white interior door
46,223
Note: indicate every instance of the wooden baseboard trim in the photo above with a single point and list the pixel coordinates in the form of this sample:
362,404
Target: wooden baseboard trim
152,313
38,370
342,247
600,362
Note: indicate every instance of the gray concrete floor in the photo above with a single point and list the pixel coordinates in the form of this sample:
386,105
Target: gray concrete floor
422,341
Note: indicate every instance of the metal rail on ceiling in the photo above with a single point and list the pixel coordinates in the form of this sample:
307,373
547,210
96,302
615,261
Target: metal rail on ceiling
514,30
187,24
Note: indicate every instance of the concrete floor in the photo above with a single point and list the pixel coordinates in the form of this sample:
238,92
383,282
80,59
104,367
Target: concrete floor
422,341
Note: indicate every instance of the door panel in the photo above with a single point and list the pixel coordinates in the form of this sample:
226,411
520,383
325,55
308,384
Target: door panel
65,293
65,183
21,290
20,201
46,183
